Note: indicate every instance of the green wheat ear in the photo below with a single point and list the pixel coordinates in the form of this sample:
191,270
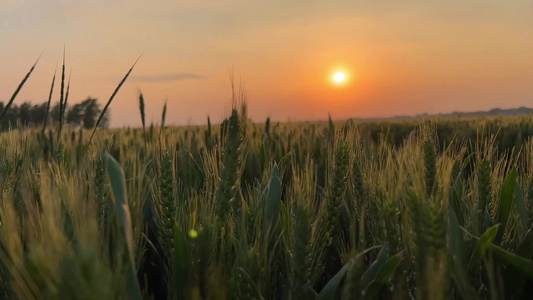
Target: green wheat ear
430,166
143,118
102,192
227,189
167,206
267,126
331,131
416,215
164,115
436,230
208,135
300,287
391,225
358,188
337,188
434,275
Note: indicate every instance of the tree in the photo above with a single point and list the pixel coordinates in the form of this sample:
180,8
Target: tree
2,122
25,114
54,113
90,113
75,115
86,114
10,118
83,114
38,114
104,123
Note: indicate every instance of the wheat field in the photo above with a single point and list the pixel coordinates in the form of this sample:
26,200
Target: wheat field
424,209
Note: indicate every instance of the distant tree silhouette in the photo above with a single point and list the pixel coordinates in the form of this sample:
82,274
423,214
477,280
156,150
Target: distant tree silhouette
38,114
10,118
54,113
1,110
104,123
82,114
75,115
90,113
25,114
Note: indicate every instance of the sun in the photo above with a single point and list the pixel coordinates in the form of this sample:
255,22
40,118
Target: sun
339,77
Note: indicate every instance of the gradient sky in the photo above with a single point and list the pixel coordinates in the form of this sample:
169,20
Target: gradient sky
402,57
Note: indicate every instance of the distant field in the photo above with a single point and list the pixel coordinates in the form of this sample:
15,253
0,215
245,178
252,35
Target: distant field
437,209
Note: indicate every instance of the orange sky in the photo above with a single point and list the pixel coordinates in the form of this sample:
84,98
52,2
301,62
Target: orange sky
403,57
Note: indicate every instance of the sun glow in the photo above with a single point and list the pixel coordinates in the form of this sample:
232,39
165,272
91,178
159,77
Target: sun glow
339,77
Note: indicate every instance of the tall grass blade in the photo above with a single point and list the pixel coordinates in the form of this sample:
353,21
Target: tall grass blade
48,104
182,268
372,272
143,118
519,263
118,185
482,245
506,203
111,99
458,269
484,174
12,99
61,98
65,101
329,291
387,268
164,115
521,206
273,200
525,248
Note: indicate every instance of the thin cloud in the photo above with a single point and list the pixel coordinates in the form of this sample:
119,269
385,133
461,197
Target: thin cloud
169,77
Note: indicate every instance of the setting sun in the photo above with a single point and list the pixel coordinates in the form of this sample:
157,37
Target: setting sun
339,77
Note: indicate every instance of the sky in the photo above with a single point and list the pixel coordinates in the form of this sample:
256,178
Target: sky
399,57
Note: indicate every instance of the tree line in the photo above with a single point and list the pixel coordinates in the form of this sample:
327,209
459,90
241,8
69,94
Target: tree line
83,115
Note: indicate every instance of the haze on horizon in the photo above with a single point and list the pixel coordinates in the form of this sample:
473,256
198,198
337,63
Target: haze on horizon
401,57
